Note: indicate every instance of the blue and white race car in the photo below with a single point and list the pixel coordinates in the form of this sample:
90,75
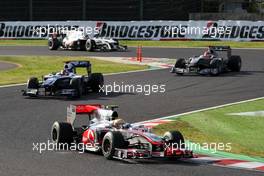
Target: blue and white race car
66,82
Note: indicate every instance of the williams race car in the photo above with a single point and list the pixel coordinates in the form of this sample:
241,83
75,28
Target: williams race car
77,40
105,132
66,82
212,62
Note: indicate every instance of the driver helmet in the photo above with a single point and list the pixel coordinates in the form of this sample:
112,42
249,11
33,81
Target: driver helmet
95,117
208,53
63,72
69,68
118,123
114,115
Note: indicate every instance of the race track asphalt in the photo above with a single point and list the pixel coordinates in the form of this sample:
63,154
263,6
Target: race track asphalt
24,121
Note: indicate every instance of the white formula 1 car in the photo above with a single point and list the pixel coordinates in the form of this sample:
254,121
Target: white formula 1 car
78,40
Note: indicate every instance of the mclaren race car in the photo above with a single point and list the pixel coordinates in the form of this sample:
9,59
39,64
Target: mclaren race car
66,82
215,60
78,40
105,132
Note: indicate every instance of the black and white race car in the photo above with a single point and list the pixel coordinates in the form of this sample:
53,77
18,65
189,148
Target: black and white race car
66,82
78,40
212,62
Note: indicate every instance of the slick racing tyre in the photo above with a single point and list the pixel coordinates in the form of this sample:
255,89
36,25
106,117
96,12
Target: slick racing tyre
180,63
90,45
53,44
111,141
175,138
33,83
105,48
76,84
96,81
215,67
62,132
234,63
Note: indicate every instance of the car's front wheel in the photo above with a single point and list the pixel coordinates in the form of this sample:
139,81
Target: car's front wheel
175,138
33,83
181,64
89,45
215,67
111,141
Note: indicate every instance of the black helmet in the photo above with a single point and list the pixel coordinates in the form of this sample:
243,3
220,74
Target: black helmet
114,115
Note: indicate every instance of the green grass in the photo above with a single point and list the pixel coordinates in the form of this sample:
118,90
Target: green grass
41,65
23,42
176,44
186,44
245,133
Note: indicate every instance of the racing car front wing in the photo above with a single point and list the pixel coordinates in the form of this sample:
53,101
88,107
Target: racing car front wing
145,154
37,92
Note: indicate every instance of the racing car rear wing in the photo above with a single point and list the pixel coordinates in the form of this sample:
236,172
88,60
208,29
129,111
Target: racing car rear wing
222,48
88,109
72,65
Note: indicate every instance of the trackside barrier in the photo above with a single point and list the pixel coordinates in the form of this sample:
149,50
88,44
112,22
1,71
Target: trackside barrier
139,30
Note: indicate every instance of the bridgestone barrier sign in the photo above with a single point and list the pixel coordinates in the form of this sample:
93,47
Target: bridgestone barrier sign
140,30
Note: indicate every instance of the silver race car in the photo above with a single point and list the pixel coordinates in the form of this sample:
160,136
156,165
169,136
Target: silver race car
212,62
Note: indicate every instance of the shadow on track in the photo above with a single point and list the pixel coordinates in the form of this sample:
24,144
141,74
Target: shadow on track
89,96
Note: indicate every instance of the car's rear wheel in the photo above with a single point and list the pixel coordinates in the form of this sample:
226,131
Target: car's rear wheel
175,138
96,81
62,133
234,63
111,141
53,44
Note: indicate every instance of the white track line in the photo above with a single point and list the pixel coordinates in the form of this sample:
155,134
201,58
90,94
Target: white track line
200,110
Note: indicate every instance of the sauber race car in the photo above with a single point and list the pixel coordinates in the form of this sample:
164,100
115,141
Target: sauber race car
66,82
78,40
212,62
105,132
